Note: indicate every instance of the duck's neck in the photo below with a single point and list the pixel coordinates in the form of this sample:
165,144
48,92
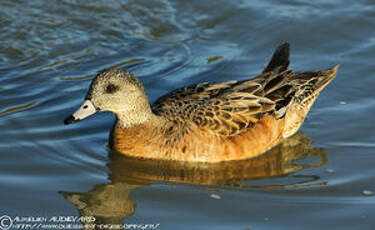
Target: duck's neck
127,119
134,139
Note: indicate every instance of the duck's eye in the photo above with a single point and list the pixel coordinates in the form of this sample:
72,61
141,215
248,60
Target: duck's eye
111,88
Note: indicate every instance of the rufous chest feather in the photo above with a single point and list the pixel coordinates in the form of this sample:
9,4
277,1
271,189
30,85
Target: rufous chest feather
197,144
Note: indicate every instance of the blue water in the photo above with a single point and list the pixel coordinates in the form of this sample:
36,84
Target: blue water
50,50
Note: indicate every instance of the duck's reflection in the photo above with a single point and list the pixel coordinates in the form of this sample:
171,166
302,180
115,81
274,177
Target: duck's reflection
110,203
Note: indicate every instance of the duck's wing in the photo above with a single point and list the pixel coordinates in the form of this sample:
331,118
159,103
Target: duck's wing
185,100
226,108
245,103
229,108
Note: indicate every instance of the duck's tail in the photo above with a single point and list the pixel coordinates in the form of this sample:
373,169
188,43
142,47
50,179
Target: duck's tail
307,87
294,93
280,59
310,83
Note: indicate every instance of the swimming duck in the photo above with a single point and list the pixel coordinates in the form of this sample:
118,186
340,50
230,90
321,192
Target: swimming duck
206,122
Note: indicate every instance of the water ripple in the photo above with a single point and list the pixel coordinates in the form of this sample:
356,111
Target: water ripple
46,68
17,108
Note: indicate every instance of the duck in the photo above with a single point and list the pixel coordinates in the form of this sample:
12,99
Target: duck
209,121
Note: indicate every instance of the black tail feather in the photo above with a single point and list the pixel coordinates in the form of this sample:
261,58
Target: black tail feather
279,60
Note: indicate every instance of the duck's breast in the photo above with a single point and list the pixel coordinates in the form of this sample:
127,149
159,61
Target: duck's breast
199,144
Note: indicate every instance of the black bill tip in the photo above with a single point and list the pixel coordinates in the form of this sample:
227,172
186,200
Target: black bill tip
70,120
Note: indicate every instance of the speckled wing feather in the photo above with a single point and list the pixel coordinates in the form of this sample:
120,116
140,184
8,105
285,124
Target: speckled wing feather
228,108
233,111
184,101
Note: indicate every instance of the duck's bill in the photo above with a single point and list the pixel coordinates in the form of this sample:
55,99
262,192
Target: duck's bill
85,110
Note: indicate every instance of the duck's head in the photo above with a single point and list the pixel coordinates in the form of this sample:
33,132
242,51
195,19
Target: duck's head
117,91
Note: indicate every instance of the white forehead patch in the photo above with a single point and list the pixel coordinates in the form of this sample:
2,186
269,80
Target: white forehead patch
85,110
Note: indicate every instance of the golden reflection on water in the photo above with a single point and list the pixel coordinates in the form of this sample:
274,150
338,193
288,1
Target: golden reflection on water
77,78
110,203
17,108
214,59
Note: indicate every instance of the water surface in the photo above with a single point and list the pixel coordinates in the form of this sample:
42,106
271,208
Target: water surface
50,50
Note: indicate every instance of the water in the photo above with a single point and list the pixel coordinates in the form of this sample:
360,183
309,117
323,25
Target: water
49,51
